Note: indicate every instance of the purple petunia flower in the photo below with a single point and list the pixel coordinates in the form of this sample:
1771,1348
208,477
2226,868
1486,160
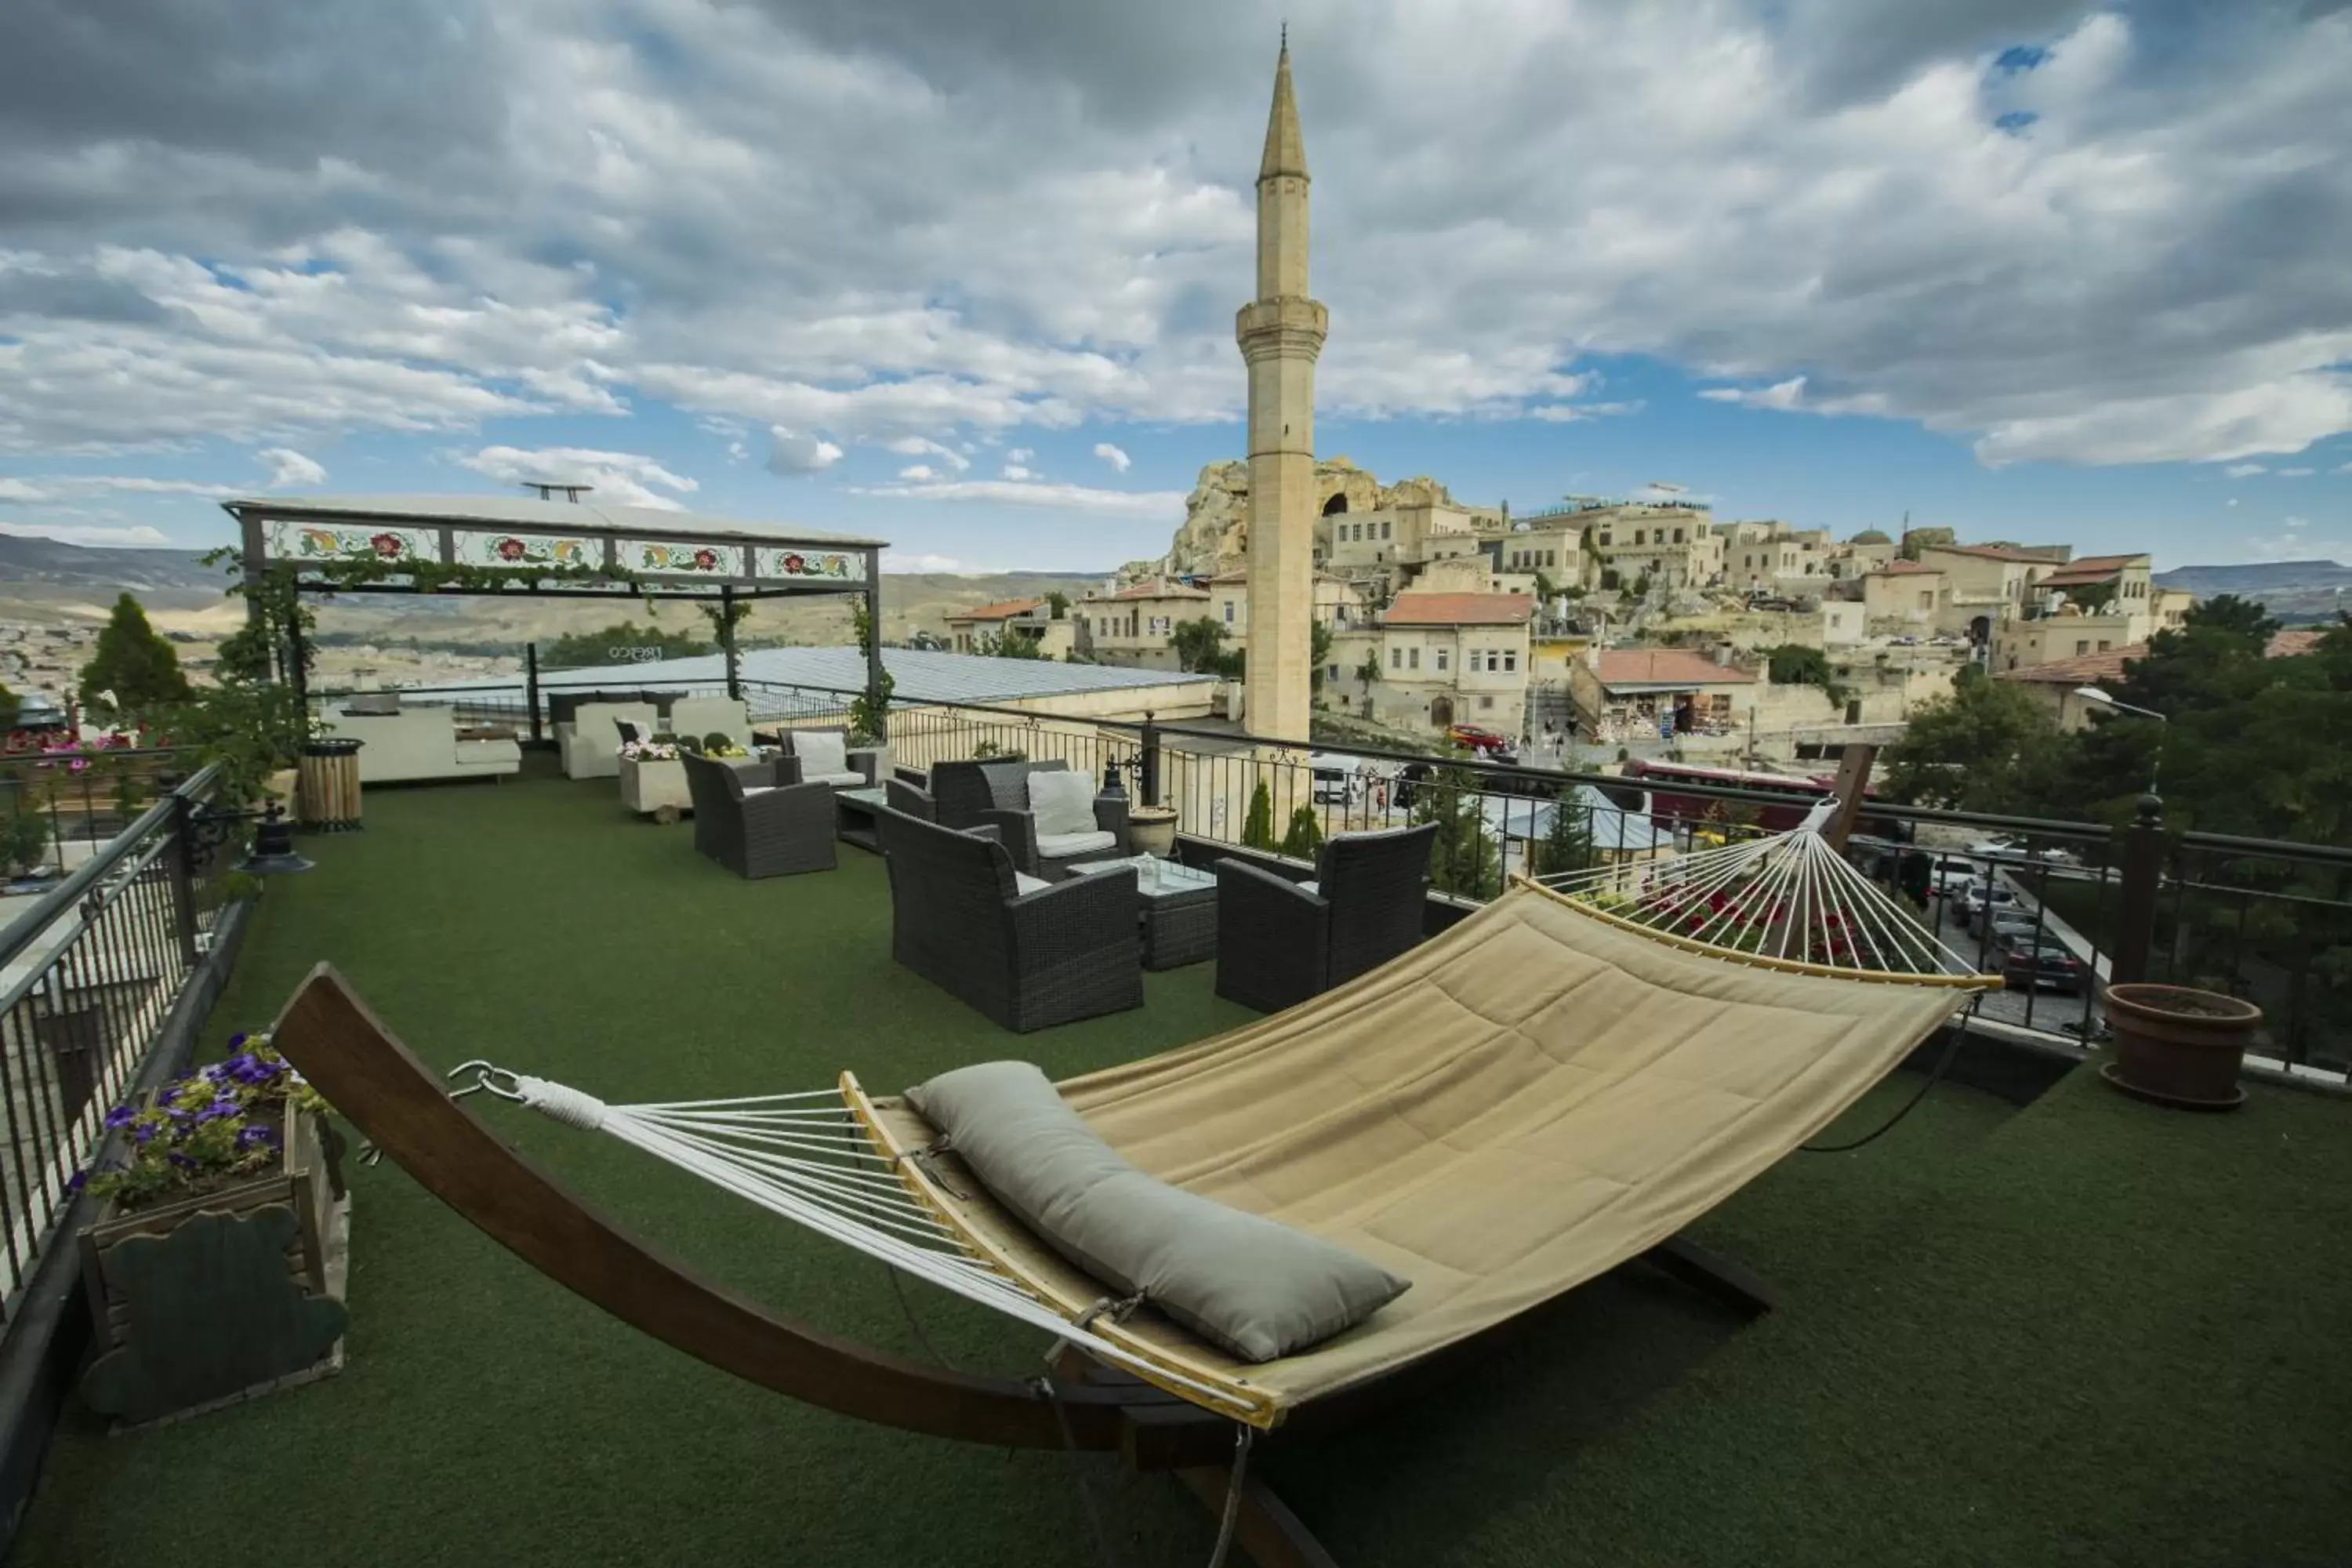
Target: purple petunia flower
180,1159
122,1116
76,1181
142,1133
258,1137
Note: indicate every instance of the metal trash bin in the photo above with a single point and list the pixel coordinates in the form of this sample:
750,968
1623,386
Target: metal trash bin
327,795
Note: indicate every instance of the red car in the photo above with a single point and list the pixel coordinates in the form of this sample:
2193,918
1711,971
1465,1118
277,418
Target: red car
1477,738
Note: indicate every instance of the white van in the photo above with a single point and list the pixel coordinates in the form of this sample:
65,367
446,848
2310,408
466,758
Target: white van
1336,779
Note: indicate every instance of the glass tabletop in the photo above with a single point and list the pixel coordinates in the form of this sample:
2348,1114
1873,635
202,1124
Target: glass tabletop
864,796
1155,878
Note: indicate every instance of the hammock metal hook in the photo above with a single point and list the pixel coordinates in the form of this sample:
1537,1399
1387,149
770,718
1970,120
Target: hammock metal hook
488,1076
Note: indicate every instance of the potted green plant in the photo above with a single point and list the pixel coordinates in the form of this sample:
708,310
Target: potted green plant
2178,1045
215,1269
652,780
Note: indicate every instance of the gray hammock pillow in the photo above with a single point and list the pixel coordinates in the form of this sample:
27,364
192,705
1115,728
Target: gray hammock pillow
1250,1285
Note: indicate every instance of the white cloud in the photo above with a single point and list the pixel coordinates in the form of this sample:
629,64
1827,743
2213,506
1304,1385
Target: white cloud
919,446
289,468
2298,523
2232,501
1026,226
902,561
132,536
1019,455
917,471
1567,413
1142,506
1017,473
1117,457
2242,470
793,452
625,479
2296,473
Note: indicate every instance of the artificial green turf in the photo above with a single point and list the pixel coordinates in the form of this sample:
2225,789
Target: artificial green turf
1994,1321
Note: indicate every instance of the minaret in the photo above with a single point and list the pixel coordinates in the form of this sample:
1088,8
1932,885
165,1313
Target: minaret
1281,332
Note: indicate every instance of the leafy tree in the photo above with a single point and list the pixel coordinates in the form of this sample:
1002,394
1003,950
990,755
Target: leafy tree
1794,664
870,710
1641,586
1257,828
1464,858
1319,652
1369,671
581,651
1567,844
1545,589
1306,833
1988,746
133,671
1057,603
1199,644
1008,645
9,708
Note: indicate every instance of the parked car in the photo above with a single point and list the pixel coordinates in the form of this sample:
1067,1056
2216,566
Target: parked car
1949,875
1979,897
2029,964
2011,849
2009,922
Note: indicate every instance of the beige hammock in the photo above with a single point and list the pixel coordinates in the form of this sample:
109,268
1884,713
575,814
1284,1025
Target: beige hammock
1507,1111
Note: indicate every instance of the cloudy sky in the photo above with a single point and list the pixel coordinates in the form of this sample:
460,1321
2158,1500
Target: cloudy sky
964,274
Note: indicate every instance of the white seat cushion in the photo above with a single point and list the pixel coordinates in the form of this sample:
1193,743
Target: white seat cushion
839,781
1067,845
1063,801
1022,882
822,754
1314,887
752,790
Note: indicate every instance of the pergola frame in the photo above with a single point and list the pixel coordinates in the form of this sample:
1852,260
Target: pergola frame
593,550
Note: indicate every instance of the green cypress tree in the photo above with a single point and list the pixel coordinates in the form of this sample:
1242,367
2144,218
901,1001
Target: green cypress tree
1567,844
1464,858
134,671
1257,830
1306,833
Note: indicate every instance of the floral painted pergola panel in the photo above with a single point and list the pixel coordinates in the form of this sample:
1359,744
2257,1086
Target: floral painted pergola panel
657,550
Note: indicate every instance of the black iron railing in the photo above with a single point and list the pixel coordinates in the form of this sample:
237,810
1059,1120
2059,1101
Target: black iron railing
2267,920
56,807
89,973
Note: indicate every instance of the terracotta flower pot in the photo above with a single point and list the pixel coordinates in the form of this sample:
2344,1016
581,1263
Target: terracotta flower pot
2179,1046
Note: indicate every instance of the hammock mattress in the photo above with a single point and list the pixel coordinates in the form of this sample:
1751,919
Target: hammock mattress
1500,1115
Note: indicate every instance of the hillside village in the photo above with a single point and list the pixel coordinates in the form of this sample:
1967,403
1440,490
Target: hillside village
1637,624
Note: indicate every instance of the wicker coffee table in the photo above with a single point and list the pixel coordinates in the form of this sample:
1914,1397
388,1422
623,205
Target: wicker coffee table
1177,909
854,812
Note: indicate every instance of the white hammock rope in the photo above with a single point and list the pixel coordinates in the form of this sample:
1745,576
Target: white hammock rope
1789,898
810,1158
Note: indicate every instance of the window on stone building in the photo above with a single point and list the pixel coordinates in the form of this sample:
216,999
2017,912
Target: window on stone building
2082,646
1396,658
1385,529
1229,612
1510,660
1412,659
2104,644
1678,536
1486,703
1438,654
1332,672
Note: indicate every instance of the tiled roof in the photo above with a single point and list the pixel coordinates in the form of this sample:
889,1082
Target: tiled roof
1003,610
2083,670
1666,667
2091,569
1994,553
1161,591
1459,610
2090,669
1900,568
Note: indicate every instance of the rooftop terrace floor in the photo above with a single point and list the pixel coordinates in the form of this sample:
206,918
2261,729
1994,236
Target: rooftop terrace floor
2088,1330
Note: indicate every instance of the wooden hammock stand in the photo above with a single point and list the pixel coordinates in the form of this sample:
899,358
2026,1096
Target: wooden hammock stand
372,1079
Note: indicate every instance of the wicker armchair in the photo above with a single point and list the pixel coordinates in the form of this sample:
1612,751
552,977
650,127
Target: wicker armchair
996,794
755,828
1029,960
1280,942
914,801
861,765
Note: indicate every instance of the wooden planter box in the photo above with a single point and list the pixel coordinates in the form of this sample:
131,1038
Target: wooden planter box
218,1297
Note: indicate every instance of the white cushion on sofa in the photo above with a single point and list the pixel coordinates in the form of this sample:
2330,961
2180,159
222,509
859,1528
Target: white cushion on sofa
1022,882
821,754
1064,845
838,781
1063,801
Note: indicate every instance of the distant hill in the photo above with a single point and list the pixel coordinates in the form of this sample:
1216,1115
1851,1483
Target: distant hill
47,561
2291,591
46,582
